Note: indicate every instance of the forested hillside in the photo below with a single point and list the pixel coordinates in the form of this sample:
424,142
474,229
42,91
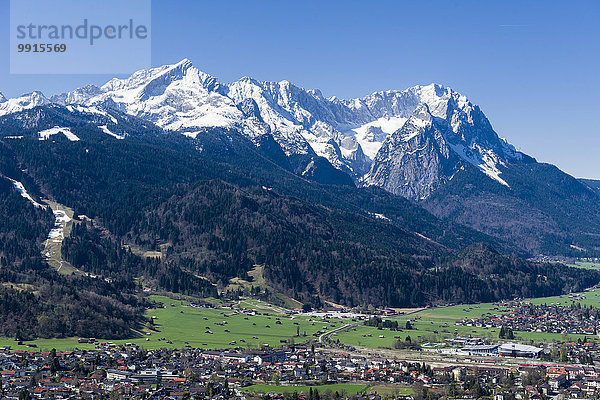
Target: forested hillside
544,209
35,300
215,207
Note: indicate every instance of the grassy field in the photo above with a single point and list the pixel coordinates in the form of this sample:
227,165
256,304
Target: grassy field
182,324
390,390
348,388
436,324
429,325
585,265
589,298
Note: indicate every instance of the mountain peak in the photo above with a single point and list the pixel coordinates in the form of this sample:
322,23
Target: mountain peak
165,73
34,94
443,128
438,87
24,102
77,96
2,98
247,80
433,90
184,63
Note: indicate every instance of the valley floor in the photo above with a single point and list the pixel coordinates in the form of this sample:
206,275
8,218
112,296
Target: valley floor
254,324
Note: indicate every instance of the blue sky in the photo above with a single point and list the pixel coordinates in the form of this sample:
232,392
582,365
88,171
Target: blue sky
532,66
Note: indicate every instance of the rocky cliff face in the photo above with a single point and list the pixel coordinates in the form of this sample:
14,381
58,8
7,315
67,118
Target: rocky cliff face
348,133
415,160
442,133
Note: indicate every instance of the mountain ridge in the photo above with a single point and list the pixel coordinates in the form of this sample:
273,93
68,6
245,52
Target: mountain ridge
417,143
347,132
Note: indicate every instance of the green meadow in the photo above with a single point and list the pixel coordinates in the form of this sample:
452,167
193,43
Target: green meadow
348,388
391,390
588,298
184,325
436,324
585,265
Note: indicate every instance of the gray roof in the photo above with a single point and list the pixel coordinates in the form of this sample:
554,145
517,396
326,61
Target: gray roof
486,347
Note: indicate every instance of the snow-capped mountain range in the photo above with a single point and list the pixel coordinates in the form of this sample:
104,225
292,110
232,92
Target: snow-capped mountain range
25,102
408,142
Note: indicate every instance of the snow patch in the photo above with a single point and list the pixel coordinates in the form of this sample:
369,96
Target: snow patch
576,247
424,237
105,129
371,135
61,219
310,166
56,234
379,216
192,135
21,189
92,110
45,134
485,159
